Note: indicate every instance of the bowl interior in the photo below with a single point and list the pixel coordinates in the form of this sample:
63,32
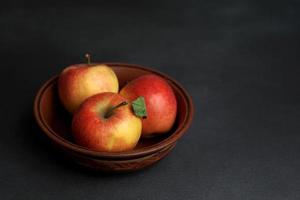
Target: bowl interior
58,120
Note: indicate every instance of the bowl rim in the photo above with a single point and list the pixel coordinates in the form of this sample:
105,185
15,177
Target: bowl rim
178,133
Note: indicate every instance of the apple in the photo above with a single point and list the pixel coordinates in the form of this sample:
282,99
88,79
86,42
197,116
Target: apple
160,102
106,122
80,81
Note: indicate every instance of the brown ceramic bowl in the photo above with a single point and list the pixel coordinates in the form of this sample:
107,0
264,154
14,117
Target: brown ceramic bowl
56,122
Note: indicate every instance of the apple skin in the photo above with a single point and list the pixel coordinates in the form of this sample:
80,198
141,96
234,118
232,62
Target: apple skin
160,102
80,81
119,132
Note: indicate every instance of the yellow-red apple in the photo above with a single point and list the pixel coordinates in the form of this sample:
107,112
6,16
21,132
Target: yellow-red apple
78,82
160,102
105,122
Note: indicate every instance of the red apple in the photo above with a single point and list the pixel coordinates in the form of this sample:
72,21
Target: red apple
105,122
78,82
160,102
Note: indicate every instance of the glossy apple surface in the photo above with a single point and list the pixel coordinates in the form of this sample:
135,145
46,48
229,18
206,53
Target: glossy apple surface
160,102
93,128
78,82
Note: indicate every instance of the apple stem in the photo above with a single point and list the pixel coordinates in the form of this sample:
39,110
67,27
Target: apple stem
111,110
88,57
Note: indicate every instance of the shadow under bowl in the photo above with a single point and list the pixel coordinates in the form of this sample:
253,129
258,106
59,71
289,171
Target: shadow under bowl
55,122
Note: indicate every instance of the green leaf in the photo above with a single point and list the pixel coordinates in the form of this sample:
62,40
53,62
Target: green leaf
139,107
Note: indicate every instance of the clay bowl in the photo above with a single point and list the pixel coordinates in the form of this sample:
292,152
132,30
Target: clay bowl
55,123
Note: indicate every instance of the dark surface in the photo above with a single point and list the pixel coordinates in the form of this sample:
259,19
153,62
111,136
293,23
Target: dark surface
239,60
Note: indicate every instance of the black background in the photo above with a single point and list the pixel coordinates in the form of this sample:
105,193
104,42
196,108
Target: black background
238,59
